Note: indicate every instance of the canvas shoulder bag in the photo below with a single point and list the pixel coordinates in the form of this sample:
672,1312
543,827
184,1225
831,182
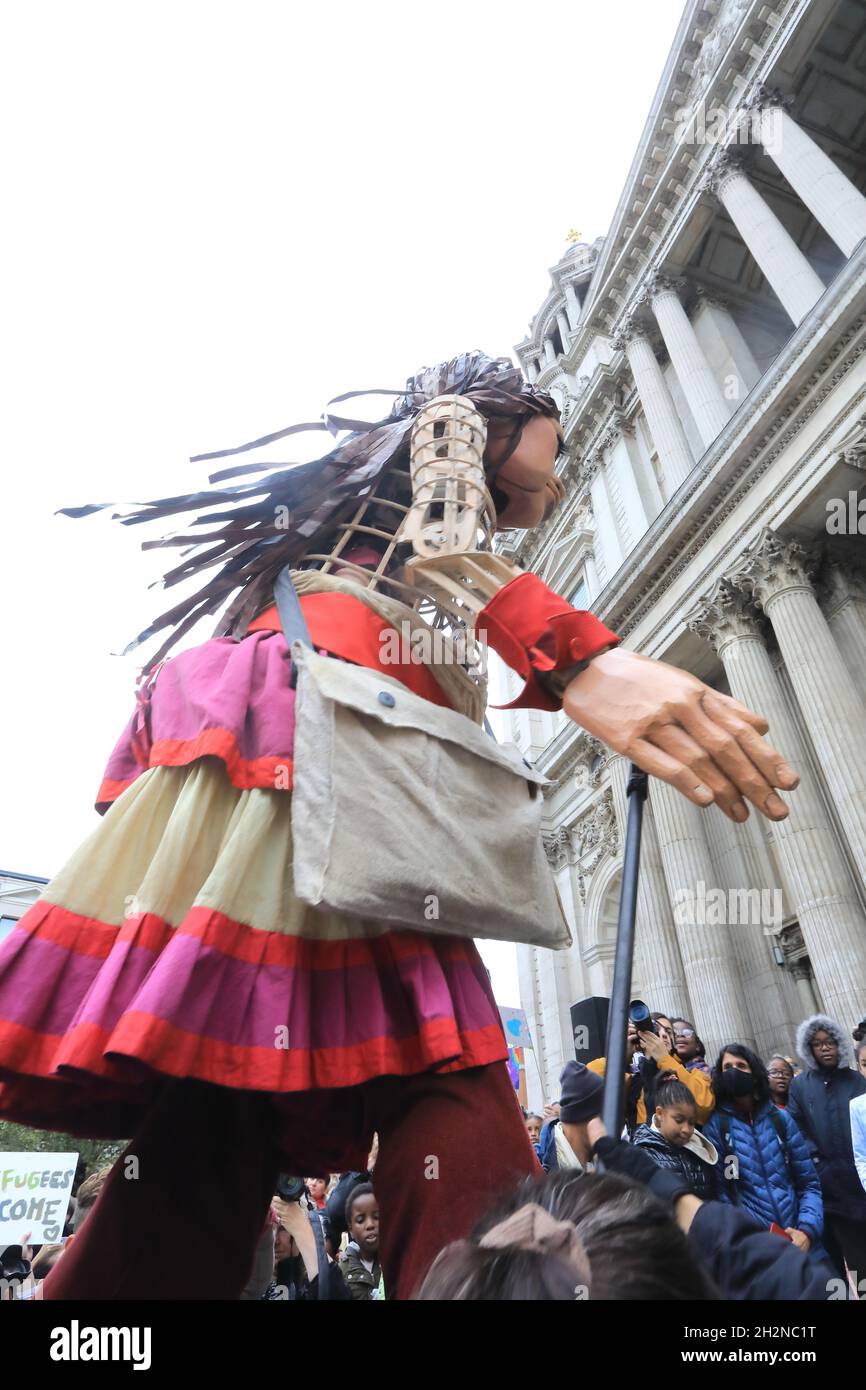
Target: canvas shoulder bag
408,813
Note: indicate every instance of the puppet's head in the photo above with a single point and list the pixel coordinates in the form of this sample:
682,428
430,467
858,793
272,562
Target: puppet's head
342,512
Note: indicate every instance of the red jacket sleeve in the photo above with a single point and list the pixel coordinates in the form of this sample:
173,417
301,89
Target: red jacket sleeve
534,630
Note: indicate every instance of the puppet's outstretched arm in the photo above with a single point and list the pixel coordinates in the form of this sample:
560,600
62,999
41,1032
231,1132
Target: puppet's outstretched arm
706,744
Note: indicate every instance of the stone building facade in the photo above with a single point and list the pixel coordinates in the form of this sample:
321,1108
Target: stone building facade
708,358
18,893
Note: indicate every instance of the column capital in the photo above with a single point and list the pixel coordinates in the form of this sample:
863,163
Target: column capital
725,164
557,847
616,426
587,748
854,455
840,582
712,298
800,969
774,566
661,283
588,467
629,327
764,98
725,615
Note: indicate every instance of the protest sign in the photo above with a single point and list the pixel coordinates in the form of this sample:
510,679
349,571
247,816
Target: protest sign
34,1196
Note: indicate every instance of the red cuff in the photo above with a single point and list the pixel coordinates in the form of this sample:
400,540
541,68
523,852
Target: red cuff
533,630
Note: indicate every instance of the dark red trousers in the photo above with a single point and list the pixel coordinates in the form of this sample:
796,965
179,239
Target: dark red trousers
183,1208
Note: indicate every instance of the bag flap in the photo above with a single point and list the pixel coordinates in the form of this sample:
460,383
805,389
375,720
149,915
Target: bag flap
359,689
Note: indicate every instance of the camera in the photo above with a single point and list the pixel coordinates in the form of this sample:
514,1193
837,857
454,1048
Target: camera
13,1265
291,1189
639,1017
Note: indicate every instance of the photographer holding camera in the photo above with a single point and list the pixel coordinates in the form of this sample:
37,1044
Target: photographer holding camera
300,1268
651,1052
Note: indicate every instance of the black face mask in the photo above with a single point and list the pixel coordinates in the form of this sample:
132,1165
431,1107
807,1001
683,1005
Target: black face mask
735,1084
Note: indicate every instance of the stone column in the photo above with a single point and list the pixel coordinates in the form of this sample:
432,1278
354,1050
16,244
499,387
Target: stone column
843,599
622,484
572,306
649,492
713,320
549,352
802,977
665,425
590,569
756,906
788,272
564,329
830,196
531,369
536,1089
817,878
609,548
712,972
709,408
756,889
776,573
657,954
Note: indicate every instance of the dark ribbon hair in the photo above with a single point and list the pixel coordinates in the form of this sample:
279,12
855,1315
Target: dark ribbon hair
248,547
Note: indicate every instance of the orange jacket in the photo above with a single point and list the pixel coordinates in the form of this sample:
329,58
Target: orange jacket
697,1081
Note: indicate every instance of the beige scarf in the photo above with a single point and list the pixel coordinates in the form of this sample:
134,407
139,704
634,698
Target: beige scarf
462,692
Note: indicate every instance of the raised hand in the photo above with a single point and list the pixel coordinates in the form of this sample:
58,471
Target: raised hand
707,745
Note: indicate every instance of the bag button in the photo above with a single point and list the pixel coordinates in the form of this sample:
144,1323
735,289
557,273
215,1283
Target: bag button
386,698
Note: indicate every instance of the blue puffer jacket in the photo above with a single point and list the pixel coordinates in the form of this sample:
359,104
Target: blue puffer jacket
768,1187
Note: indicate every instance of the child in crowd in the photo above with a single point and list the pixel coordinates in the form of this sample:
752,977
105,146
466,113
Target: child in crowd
360,1264
780,1074
534,1126
672,1141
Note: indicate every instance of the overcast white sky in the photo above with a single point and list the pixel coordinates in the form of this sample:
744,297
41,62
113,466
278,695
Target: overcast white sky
218,215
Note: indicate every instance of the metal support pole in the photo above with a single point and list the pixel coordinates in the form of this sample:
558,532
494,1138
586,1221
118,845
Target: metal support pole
617,1021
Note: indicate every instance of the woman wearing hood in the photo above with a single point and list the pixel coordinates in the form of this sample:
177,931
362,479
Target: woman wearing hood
764,1164
821,1106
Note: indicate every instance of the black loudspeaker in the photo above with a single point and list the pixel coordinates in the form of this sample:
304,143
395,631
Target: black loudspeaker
589,1028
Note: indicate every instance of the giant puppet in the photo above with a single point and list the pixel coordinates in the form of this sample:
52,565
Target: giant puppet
172,985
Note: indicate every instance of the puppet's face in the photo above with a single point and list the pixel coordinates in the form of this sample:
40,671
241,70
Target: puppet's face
526,490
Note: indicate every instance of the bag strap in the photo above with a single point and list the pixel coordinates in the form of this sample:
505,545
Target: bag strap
292,618
782,1135
294,624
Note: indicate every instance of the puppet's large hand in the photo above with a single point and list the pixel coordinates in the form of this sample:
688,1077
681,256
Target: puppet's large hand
705,744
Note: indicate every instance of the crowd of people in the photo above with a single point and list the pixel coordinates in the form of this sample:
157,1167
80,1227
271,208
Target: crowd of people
742,1179
782,1141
